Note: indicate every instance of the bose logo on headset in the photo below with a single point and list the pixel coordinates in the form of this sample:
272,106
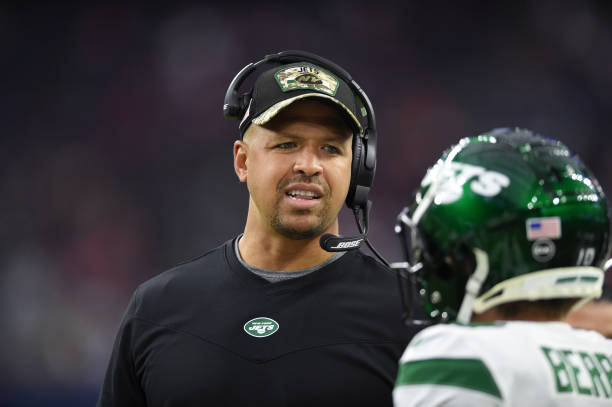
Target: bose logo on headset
348,244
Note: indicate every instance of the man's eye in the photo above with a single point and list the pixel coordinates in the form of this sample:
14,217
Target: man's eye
331,149
285,146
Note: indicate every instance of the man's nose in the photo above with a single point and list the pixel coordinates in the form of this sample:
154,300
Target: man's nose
308,162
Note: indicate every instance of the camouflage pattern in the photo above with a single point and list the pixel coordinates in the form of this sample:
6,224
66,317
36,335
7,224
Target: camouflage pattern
306,76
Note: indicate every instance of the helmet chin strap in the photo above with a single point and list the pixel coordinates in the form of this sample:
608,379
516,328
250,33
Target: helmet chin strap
472,287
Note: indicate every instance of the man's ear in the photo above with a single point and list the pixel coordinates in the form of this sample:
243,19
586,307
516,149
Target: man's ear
240,160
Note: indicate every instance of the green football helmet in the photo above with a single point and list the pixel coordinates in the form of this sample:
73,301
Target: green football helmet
502,217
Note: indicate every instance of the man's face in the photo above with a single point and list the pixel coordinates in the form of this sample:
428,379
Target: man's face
298,169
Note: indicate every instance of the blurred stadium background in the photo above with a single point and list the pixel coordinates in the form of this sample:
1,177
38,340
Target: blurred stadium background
117,163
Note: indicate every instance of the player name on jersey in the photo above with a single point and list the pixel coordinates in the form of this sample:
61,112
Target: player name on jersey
580,372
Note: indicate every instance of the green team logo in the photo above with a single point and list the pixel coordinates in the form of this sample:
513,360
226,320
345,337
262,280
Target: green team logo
261,327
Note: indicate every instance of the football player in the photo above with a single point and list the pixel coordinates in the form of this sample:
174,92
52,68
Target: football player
508,232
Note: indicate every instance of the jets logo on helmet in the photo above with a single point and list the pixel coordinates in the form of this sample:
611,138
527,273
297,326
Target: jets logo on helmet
455,175
505,216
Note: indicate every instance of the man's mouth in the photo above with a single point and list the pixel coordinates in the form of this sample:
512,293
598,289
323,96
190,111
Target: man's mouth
302,195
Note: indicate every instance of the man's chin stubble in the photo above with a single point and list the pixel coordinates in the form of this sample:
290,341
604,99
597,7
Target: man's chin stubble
290,232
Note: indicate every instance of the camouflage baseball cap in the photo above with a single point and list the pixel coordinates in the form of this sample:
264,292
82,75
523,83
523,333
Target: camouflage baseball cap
279,87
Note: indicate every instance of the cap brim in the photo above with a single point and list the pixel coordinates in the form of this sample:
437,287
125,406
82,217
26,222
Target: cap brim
272,111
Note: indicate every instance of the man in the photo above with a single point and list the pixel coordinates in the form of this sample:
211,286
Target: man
270,318
508,232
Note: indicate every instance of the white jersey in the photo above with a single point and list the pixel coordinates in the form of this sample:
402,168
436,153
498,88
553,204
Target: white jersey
506,364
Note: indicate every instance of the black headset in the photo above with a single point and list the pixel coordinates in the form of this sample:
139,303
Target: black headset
363,164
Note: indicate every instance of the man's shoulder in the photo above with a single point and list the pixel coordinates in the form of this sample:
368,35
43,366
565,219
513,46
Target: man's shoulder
498,360
452,340
195,277
499,340
367,264
447,359
200,267
367,276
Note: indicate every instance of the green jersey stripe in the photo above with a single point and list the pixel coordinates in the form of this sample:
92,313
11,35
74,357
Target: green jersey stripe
467,373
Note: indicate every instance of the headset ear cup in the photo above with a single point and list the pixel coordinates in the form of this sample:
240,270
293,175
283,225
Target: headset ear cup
356,165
